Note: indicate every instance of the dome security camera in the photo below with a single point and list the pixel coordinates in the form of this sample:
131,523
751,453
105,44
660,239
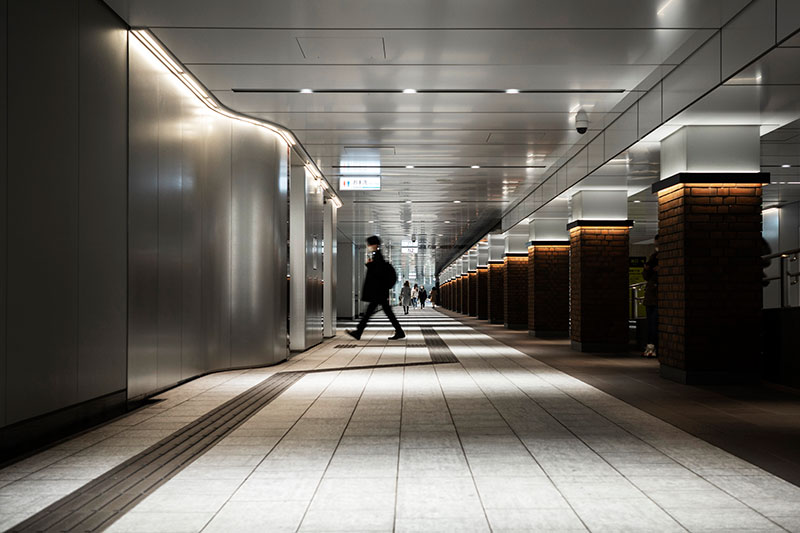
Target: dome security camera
581,122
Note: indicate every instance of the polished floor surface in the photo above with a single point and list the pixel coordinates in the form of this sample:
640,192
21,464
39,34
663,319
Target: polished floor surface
499,441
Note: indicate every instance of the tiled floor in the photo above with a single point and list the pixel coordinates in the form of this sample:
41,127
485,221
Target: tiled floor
499,441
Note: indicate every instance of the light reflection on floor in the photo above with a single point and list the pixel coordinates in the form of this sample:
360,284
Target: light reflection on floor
498,441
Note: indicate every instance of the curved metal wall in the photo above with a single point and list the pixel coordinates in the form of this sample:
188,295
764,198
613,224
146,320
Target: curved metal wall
207,233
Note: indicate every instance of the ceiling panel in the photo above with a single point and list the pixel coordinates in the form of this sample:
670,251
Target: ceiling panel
371,14
424,47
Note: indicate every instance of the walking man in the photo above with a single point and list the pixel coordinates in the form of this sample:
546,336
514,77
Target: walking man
380,278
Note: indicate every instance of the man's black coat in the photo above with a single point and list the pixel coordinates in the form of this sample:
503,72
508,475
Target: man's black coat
381,277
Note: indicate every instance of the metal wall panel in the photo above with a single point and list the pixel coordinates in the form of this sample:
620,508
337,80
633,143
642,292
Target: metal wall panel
345,278
192,162
305,243
42,208
143,222
3,205
102,200
256,246
329,270
314,291
208,236
215,178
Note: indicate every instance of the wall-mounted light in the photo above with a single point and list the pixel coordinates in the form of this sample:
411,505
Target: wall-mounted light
409,91
475,166
306,91
512,91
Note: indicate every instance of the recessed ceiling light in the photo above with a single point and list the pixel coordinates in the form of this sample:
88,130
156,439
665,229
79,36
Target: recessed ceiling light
512,91
786,166
408,201
371,222
456,201
475,166
409,91
637,201
446,221
409,166
306,91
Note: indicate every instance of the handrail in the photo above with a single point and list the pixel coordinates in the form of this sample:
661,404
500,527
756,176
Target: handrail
785,253
784,257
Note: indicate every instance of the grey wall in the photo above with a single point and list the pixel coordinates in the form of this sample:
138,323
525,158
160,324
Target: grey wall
306,262
64,82
329,271
207,263
345,277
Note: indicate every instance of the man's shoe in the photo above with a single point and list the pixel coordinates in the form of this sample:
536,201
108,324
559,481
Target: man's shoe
356,335
397,336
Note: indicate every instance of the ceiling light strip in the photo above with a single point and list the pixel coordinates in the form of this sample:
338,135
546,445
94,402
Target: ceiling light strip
160,52
430,91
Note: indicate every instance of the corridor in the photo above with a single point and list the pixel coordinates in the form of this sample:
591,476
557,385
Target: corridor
376,435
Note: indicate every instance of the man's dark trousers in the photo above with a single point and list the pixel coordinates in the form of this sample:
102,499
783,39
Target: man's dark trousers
371,308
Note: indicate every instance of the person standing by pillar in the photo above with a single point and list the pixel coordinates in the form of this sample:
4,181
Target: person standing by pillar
650,275
380,278
405,297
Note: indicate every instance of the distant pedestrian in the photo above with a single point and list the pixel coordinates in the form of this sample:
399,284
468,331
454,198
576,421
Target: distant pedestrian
650,275
414,296
380,278
423,295
434,296
405,297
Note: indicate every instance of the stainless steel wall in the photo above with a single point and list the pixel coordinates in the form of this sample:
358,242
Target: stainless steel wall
345,277
329,272
306,262
63,80
207,203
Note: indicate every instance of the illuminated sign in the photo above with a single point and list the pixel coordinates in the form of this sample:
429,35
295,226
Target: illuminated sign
370,183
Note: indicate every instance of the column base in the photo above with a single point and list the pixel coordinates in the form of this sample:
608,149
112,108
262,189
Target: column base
515,326
706,377
495,321
599,347
483,317
544,334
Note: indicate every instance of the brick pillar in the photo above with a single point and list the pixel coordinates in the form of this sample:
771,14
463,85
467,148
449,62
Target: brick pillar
599,285
464,294
709,277
472,307
483,292
515,291
457,295
548,289
496,293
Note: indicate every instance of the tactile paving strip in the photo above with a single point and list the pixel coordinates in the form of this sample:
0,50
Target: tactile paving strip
440,352
102,501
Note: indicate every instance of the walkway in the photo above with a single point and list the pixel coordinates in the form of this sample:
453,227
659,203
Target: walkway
498,440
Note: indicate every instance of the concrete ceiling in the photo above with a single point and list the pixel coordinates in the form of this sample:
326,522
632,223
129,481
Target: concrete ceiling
257,55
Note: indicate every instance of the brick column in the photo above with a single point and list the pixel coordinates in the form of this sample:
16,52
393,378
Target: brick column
496,293
599,285
515,291
482,290
457,294
464,294
709,277
548,289
472,306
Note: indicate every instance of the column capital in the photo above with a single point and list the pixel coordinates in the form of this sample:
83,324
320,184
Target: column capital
711,178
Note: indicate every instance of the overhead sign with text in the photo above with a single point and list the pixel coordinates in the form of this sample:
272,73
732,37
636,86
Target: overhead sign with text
370,183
